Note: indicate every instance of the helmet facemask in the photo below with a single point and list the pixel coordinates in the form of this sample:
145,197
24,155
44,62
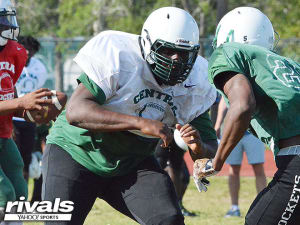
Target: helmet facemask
170,44
170,71
9,29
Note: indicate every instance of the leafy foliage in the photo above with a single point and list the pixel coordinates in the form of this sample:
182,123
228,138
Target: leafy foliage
38,17
74,18
85,18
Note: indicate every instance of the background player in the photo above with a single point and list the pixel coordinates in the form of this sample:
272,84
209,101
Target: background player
32,78
132,93
171,159
12,60
263,89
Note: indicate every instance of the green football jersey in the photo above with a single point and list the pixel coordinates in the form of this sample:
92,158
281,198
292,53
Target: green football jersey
110,153
275,81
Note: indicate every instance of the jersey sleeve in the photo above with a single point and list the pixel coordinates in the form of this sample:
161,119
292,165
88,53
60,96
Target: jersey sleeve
92,87
99,61
204,125
224,59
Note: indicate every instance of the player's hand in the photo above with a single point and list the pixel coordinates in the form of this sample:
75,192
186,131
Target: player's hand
191,137
35,100
201,184
203,168
157,129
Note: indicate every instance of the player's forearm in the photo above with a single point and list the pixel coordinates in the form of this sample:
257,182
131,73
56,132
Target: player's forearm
10,106
206,149
236,123
93,117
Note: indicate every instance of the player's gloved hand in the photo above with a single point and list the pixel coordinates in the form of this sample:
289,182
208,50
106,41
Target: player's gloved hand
201,184
203,168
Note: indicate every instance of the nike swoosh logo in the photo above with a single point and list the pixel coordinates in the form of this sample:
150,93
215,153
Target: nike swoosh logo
18,48
188,86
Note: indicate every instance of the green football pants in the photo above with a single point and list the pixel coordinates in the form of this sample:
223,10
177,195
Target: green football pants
12,182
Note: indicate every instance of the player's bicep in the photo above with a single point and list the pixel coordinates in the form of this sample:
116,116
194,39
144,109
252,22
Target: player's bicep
91,89
84,99
238,90
81,105
82,93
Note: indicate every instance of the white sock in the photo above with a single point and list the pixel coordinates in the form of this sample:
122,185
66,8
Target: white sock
234,207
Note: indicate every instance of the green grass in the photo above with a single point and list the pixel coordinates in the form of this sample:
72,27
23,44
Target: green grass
210,206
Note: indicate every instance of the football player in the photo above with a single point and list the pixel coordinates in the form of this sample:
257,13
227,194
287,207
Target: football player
12,60
33,77
134,90
263,90
171,159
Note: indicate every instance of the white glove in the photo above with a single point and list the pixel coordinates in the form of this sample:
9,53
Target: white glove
203,168
201,184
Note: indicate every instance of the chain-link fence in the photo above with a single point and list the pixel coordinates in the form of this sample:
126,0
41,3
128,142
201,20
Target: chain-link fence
63,71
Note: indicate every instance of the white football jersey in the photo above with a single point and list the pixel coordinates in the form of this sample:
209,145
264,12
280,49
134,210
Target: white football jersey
113,60
32,77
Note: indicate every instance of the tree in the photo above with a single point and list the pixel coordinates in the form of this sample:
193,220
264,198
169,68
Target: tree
85,18
38,17
222,7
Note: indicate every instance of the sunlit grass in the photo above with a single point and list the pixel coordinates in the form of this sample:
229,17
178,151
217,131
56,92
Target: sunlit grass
210,207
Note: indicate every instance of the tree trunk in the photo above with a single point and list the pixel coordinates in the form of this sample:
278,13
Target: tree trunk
186,5
59,76
201,32
100,12
222,8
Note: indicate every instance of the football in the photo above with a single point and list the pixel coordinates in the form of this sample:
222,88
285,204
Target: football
179,141
48,112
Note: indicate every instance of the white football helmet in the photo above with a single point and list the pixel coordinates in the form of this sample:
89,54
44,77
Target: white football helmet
176,30
245,25
9,28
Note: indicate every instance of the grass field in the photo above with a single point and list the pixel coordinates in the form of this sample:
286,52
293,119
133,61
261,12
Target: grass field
210,207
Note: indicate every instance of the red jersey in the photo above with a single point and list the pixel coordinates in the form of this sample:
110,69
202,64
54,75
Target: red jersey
12,60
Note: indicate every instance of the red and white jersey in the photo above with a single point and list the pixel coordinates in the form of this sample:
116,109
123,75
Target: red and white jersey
114,62
12,60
